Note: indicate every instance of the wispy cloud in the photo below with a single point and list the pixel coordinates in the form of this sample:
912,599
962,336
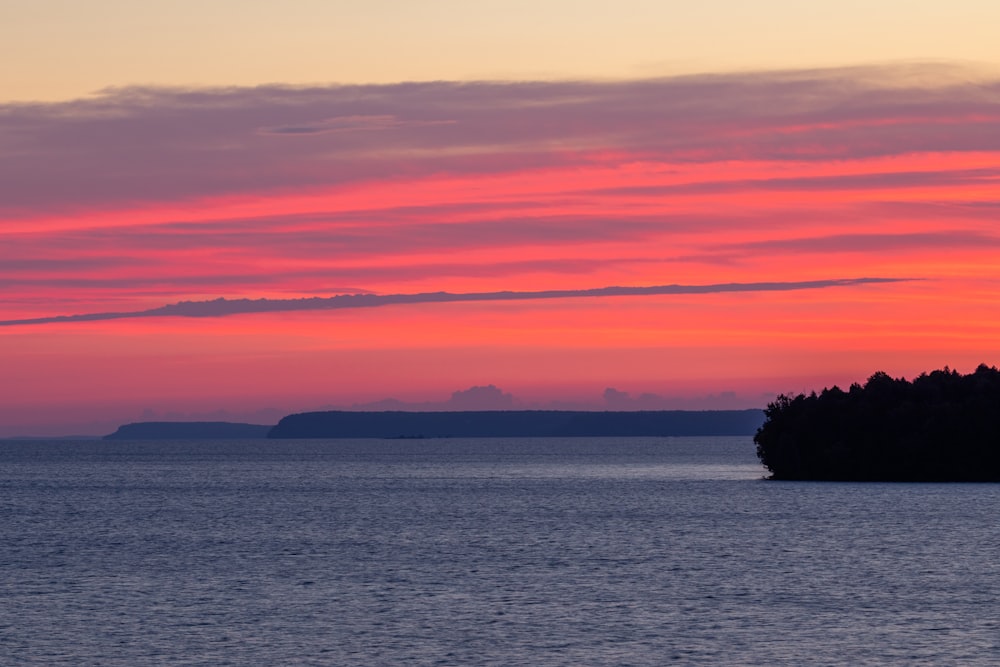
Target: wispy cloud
885,243
224,307
142,144
346,124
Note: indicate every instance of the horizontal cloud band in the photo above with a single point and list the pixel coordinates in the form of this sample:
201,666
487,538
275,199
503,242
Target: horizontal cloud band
222,307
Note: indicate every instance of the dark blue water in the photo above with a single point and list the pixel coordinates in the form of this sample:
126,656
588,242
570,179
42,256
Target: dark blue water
482,552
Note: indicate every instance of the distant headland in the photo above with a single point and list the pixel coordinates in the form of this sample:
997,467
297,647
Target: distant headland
462,424
516,423
188,431
941,427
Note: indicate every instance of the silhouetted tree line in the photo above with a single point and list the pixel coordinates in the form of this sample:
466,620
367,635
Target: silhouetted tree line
943,426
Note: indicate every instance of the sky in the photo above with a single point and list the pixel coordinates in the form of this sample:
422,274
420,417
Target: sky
239,210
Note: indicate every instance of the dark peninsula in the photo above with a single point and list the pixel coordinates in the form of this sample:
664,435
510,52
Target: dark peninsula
941,427
516,424
188,431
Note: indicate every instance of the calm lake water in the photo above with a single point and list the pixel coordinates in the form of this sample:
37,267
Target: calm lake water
482,552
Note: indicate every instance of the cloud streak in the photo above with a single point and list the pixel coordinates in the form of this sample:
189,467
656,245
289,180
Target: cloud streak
225,307
346,124
149,144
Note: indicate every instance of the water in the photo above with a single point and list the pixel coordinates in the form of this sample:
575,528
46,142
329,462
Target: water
482,552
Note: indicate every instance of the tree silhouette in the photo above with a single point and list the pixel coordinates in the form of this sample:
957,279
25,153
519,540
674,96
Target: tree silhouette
943,426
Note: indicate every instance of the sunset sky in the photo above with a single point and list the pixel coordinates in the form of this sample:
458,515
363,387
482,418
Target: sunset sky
811,192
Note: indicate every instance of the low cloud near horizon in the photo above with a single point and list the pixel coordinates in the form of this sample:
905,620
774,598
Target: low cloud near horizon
491,397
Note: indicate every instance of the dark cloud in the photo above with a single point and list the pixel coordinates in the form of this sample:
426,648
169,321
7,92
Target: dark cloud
224,307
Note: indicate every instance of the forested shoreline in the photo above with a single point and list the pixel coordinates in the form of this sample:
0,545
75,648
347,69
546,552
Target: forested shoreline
942,426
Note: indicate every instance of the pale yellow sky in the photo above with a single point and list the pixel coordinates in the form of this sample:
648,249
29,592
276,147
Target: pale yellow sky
56,49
